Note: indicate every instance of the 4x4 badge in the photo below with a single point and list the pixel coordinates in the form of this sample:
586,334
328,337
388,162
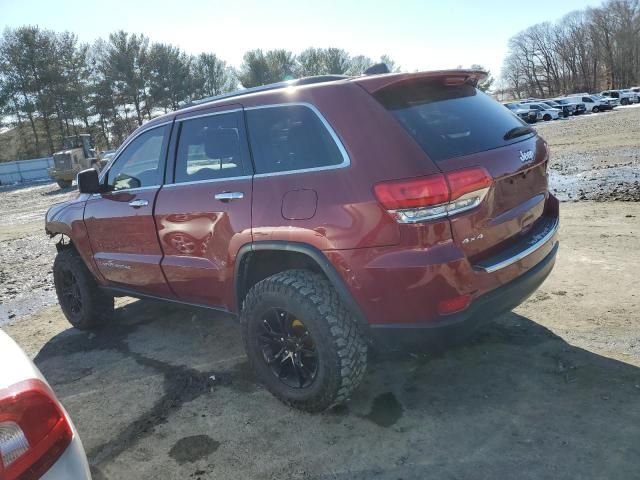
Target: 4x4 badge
526,156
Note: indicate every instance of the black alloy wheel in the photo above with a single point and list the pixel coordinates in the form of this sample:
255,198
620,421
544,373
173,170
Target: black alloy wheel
84,304
288,349
70,292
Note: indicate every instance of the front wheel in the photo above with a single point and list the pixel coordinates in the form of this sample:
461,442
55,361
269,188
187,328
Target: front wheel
546,117
82,302
302,342
595,109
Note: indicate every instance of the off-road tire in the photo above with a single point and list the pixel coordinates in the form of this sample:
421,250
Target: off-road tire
341,348
64,183
96,306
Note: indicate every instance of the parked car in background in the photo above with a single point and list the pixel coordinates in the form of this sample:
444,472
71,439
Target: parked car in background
567,109
623,98
268,204
591,103
580,107
37,437
635,96
525,113
609,103
548,112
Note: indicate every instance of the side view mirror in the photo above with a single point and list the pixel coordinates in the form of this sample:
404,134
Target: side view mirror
87,181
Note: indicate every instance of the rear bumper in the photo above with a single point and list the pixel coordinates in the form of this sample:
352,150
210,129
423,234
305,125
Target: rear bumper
483,309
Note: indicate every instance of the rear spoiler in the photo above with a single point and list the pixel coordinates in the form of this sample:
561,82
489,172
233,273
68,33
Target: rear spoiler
375,83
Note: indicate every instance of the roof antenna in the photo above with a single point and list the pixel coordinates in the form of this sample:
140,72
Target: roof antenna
376,69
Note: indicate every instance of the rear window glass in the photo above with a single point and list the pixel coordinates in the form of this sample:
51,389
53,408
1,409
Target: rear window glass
450,121
290,137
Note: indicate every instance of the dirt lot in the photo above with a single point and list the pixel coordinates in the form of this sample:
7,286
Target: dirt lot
596,157
549,391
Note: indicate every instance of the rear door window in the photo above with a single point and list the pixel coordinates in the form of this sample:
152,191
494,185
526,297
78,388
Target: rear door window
210,148
451,121
286,138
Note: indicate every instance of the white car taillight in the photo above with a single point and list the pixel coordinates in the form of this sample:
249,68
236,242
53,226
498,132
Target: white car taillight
34,431
429,198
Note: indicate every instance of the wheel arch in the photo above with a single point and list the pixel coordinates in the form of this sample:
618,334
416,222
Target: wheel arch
259,260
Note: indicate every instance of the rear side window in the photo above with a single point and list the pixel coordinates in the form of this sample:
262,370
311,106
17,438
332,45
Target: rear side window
450,121
290,137
210,148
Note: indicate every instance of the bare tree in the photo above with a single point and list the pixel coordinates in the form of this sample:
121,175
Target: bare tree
587,50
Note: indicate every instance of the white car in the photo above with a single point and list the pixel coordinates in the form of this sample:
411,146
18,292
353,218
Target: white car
625,98
37,437
592,103
635,96
548,112
524,112
613,102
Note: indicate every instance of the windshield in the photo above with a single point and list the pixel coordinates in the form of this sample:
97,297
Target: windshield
451,121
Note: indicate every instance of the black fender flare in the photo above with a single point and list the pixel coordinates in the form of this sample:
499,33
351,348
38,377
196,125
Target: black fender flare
314,254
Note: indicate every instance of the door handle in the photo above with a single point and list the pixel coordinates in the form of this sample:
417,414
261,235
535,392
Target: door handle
228,196
138,203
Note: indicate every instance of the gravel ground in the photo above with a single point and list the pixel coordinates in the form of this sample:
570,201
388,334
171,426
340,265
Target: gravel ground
551,390
26,253
595,156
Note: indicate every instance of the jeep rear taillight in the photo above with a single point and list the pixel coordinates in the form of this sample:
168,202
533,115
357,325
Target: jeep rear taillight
428,198
34,431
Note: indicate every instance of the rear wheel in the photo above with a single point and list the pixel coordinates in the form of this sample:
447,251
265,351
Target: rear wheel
624,101
595,109
301,341
64,183
82,302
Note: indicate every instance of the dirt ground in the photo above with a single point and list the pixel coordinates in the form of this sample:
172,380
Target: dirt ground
551,390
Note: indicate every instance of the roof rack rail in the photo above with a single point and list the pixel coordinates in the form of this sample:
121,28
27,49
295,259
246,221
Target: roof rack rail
271,86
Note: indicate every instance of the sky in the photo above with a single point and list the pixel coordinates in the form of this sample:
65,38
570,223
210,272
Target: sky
418,35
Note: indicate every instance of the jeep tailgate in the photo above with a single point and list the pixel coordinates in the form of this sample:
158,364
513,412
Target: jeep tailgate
462,129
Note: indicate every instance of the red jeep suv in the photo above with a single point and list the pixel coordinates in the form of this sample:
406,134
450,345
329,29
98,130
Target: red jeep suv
324,212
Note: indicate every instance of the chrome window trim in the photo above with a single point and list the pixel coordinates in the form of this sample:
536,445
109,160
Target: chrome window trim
524,253
122,147
222,112
346,161
209,180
